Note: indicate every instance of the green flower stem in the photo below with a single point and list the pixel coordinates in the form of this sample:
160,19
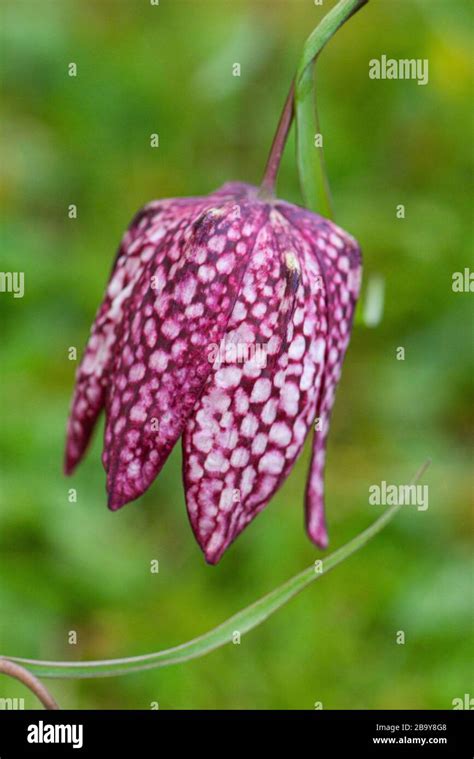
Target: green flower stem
242,622
310,159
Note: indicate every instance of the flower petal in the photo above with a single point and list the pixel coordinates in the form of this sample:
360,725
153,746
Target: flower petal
340,259
89,392
181,304
142,240
250,422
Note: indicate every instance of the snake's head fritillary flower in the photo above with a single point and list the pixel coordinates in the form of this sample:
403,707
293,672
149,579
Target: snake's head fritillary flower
225,322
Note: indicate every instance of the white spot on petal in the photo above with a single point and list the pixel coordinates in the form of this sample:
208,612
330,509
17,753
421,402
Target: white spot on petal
272,463
248,478
228,377
216,243
239,457
290,396
269,411
170,329
136,373
137,413
241,401
297,348
280,434
158,361
216,462
259,444
202,441
206,273
261,390
249,425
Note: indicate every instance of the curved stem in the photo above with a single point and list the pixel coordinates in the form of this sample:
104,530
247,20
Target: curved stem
267,188
10,669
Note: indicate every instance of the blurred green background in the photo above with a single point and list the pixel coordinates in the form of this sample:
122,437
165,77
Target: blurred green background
66,566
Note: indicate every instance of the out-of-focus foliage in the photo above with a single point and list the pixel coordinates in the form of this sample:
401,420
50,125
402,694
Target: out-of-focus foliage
85,140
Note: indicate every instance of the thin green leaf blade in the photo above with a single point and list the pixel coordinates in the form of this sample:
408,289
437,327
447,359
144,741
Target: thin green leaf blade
310,158
243,621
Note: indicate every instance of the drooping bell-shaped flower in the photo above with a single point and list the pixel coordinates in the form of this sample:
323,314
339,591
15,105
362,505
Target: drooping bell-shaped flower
225,321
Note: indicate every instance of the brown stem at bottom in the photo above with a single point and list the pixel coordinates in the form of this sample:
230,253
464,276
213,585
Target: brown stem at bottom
267,187
30,681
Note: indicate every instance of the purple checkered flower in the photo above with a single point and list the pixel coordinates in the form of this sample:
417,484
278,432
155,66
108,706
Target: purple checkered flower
273,286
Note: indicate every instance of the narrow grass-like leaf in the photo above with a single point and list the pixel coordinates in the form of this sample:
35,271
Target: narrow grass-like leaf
310,158
243,621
